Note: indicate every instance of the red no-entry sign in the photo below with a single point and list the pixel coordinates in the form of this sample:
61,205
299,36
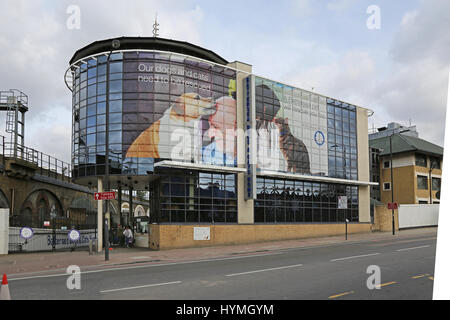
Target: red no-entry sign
105,195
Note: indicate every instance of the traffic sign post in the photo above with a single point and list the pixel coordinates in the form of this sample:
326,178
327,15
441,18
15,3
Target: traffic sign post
342,204
100,196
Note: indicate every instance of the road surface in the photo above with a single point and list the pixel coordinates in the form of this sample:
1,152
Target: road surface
328,272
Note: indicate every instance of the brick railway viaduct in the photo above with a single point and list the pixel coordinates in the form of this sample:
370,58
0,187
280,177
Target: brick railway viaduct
35,193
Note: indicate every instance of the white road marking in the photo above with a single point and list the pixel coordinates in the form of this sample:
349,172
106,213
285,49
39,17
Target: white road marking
354,257
144,266
263,270
405,249
140,287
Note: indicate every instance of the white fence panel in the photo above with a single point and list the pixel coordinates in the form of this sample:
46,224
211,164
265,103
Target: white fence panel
4,226
45,240
418,215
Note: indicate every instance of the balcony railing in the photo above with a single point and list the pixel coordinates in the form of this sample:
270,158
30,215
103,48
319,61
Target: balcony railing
47,165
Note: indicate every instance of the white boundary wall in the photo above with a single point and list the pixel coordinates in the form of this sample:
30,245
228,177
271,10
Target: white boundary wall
4,231
418,215
42,239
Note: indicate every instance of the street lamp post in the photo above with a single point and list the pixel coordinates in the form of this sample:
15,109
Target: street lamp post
392,186
392,178
345,177
115,45
431,182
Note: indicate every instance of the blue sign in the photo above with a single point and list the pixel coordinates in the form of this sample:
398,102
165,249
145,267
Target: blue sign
26,233
74,235
319,138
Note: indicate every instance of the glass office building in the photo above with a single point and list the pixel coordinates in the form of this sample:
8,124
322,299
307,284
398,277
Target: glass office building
210,141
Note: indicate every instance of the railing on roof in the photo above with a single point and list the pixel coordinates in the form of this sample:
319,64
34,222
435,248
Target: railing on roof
48,165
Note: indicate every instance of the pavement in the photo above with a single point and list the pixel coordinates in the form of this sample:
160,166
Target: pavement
23,264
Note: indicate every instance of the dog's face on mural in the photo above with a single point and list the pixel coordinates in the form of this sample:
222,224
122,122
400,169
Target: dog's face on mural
191,106
184,113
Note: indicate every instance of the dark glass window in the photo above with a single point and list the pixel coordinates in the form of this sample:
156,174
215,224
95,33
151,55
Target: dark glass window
435,163
342,141
421,160
436,183
286,201
199,198
422,182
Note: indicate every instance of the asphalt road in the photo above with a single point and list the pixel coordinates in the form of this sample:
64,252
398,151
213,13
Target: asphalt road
340,271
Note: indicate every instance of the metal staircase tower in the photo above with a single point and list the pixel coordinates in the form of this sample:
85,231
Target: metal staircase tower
15,103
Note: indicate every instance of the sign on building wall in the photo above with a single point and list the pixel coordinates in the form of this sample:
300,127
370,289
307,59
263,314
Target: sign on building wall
342,202
202,233
179,109
250,138
292,129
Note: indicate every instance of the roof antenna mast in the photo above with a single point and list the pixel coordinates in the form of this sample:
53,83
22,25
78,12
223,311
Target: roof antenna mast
155,26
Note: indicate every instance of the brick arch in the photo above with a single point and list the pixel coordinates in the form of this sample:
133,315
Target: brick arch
33,201
139,211
42,195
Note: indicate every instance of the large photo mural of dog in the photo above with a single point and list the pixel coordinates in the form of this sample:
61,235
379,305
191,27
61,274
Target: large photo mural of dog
199,123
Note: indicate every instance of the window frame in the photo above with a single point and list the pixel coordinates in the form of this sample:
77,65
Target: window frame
436,179
422,177
420,156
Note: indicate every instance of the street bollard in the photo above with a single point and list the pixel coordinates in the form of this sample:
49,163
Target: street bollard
346,222
90,247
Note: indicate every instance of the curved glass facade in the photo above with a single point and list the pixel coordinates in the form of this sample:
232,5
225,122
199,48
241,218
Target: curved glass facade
90,116
146,107
161,106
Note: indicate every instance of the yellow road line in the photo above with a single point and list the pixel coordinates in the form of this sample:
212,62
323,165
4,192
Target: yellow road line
341,294
387,284
431,278
421,276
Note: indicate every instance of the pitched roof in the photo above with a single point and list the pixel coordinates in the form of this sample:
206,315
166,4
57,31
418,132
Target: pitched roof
403,143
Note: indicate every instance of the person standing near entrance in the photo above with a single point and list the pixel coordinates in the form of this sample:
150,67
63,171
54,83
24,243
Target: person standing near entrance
128,236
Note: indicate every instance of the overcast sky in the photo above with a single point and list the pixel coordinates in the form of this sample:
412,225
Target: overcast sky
399,70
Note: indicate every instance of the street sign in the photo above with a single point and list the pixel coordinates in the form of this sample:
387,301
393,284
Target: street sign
105,195
392,205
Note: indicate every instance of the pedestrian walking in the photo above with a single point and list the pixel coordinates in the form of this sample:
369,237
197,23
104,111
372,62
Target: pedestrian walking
128,236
